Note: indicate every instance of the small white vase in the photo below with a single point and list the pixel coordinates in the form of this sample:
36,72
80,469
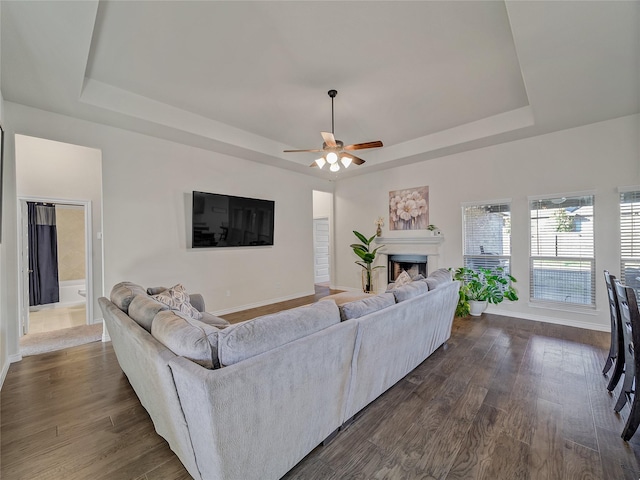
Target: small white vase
476,308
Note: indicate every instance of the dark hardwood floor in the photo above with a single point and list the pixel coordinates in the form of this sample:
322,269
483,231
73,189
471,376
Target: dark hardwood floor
321,291
504,399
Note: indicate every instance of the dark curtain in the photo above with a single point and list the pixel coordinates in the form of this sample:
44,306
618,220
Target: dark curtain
43,254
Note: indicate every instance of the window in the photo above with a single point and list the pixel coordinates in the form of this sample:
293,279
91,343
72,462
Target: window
562,262
630,239
487,235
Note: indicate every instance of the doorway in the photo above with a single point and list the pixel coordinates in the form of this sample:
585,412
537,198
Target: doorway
322,238
69,177
321,250
71,268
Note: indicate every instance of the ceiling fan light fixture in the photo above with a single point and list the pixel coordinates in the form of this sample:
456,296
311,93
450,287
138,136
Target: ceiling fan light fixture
334,150
332,158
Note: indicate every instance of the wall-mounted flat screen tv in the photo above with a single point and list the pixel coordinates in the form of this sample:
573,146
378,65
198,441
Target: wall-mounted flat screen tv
228,221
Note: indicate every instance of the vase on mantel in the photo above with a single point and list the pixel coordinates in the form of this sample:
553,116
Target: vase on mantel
378,231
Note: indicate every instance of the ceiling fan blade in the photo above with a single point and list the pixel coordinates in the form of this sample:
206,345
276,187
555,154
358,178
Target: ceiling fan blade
354,159
362,146
294,151
329,139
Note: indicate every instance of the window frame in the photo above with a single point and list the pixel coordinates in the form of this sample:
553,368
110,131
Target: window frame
627,259
504,260
559,305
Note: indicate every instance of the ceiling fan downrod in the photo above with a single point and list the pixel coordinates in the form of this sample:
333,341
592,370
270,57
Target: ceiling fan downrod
332,94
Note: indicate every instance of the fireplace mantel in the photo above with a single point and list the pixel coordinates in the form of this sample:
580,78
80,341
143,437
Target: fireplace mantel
434,240
429,246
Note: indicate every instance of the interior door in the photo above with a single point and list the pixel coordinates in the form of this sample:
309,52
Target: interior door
321,250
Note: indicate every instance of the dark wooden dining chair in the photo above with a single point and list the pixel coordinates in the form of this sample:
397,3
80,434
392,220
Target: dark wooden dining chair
616,350
630,319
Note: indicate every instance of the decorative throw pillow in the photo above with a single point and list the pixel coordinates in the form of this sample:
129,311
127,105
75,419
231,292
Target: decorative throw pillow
403,279
177,298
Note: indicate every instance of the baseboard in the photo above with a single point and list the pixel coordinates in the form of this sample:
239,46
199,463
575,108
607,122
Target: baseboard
263,303
555,320
15,358
3,373
105,333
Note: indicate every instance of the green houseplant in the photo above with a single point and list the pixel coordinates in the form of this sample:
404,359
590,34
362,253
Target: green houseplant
481,286
367,257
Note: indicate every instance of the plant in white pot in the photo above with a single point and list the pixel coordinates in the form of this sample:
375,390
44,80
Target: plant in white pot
479,287
367,258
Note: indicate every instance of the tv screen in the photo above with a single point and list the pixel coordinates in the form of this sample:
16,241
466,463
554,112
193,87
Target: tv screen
228,221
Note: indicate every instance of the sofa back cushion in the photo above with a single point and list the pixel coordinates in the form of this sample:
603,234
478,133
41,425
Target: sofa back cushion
122,294
248,339
411,290
437,278
143,310
187,337
360,308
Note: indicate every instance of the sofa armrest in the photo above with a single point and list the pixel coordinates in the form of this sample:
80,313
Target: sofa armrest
197,301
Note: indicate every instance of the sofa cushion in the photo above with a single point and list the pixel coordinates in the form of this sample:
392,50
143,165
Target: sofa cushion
360,308
187,337
214,321
346,297
143,310
156,290
437,278
248,339
177,298
409,291
122,294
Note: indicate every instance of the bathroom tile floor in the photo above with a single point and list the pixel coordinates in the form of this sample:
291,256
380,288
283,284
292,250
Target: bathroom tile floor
49,319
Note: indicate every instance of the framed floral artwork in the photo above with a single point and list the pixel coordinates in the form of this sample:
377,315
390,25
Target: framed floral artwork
409,209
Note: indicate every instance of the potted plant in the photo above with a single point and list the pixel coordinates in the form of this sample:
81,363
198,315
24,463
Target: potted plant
479,287
367,258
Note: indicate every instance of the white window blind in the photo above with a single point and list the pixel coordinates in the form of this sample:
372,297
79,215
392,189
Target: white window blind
630,239
487,235
562,261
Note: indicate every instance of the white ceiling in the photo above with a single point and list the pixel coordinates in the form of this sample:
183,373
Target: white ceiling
251,78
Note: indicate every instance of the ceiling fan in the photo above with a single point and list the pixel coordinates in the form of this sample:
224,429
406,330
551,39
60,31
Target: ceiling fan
334,150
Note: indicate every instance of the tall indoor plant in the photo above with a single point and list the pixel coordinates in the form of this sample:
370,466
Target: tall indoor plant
367,257
481,286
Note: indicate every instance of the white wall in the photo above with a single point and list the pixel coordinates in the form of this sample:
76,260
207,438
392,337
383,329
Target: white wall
598,157
147,185
4,355
322,205
48,169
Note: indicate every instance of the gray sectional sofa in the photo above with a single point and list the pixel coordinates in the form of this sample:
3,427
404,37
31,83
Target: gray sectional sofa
250,400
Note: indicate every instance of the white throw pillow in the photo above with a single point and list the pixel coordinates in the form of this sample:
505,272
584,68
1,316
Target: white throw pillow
177,298
403,279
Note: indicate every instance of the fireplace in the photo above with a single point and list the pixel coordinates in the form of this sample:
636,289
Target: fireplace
412,264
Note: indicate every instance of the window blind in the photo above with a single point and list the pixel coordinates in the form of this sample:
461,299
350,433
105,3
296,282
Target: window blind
487,235
630,239
562,258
